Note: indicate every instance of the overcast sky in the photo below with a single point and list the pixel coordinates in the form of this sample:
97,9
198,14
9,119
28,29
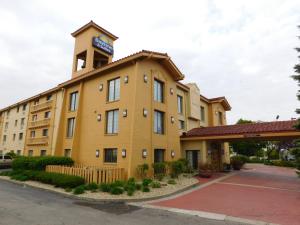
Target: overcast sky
243,50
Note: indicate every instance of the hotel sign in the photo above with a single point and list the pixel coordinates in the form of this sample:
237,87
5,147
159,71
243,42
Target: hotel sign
103,43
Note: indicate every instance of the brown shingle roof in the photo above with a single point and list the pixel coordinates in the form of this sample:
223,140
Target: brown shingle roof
240,129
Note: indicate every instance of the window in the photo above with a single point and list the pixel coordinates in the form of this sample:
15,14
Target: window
67,153
47,115
114,90
30,152
80,61
6,125
4,138
24,107
16,123
36,102
180,104
18,109
34,117
110,155
7,113
22,122
112,121
73,101
70,128
43,153
32,134
20,136
14,137
202,113
45,132
18,152
159,155
158,122
220,117
49,97
158,91
181,125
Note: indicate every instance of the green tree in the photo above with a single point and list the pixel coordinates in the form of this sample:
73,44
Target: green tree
296,77
249,147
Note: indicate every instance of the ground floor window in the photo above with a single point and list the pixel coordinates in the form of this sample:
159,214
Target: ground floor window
159,155
18,152
192,157
30,152
43,152
67,153
110,155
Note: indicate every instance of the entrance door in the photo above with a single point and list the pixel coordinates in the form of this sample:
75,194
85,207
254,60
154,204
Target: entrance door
216,160
192,157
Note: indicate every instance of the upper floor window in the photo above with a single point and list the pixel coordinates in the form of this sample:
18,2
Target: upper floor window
16,123
20,136
158,122
73,101
49,97
32,134
14,137
220,118
45,132
180,104
24,107
22,121
47,115
114,90
112,121
202,111
34,117
4,139
70,127
6,125
181,125
158,91
18,109
36,102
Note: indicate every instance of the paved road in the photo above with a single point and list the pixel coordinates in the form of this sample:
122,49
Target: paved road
28,206
264,193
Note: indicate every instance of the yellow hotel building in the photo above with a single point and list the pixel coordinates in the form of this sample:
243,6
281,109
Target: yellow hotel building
116,113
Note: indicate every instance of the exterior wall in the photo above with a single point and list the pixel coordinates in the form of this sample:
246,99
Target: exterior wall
39,141
193,106
1,130
195,145
14,129
215,108
205,122
183,116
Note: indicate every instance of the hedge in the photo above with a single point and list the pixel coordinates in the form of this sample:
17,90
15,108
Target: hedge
40,162
56,179
281,163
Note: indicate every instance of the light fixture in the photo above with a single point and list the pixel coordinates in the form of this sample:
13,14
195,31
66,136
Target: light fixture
145,112
123,153
99,117
171,91
97,153
172,153
100,87
144,153
126,79
209,151
145,78
172,119
125,113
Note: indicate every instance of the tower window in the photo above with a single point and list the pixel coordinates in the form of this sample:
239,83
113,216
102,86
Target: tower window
81,61
99,60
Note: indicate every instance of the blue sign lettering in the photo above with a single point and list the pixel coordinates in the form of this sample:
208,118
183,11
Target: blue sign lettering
98,43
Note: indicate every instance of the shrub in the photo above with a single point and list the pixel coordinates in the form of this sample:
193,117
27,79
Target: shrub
68,189
237,162
146,189
59,180
116,190
159,170
39,163
6,173
142,170
130,190
138,186
171,181
79,190
177,167
146,182
280,163
118,183
105,187
91,186
156,185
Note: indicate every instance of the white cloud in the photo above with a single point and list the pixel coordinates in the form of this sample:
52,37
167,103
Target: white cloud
242,49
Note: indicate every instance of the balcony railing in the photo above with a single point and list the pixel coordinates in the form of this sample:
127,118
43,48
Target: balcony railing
37,141
42,106
39,123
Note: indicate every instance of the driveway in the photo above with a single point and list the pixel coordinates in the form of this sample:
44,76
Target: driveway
21,205
263,193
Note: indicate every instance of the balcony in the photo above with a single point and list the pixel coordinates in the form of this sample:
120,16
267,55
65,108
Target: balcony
37,141
39,123
42,106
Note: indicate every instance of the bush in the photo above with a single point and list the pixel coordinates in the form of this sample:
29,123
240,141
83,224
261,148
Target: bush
59,180
280,163
159,170
105,187
177,167
171,181
6,173
156,185
130,192
138,187
238,161
118,183
79,190
142,170
39,163
116,190
91,186
145,189
256,160
146,182
68,189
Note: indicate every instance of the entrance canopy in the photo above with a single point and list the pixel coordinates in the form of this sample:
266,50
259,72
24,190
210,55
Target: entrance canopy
260,131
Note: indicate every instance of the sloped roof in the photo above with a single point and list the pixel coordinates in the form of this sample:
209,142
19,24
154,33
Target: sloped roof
221,100
243,129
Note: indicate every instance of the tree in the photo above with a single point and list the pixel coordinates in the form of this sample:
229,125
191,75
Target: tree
248,148
296,77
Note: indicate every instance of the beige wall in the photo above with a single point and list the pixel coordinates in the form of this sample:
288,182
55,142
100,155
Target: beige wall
14,128
205,123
